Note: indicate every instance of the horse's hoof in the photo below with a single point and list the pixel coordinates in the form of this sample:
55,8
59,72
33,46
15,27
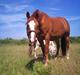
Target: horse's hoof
35,60
46,64
67,57
36,57
55,58
30,55
62,59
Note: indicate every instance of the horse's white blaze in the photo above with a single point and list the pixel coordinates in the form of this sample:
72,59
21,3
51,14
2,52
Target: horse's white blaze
32,28
32,36
31,25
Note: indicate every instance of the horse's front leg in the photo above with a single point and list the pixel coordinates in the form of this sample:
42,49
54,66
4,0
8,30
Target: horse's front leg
40,39
46,50
35,50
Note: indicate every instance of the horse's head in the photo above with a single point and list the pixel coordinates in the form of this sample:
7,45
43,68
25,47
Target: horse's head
32,25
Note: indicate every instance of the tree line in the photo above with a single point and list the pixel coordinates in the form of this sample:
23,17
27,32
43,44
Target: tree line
25,41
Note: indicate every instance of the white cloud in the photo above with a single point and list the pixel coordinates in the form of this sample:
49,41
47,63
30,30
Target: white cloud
11,28
73,18
55,9
9,19
14,8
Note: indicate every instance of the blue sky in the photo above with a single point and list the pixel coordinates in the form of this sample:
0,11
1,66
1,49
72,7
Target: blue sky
12,15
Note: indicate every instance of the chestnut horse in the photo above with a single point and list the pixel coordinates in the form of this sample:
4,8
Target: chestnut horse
52,47
47,28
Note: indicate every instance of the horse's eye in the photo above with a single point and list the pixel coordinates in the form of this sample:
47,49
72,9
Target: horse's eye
27,26
27,23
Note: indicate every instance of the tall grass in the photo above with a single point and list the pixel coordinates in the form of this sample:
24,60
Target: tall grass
14,60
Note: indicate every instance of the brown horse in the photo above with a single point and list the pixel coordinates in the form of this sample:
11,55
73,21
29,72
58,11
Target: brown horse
53,51
47,28
52,46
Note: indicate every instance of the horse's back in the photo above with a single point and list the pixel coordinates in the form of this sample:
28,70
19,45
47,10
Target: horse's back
59,26
65,23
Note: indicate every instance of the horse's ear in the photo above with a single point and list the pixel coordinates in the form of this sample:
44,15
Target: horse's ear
28,15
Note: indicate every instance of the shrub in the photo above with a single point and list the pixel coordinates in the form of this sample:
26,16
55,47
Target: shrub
13,41
40,69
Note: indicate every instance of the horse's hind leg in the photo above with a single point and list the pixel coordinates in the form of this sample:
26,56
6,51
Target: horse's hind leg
58,46
67,45
63,46
46,52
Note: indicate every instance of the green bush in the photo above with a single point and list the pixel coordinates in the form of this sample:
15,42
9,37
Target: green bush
13,41
25,41
40,69
75,39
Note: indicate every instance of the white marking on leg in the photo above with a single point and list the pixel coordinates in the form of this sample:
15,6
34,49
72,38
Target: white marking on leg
68,55
52,48
44,42
35,52
35,55
36,48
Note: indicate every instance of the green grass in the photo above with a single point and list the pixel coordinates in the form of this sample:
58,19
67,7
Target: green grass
14,60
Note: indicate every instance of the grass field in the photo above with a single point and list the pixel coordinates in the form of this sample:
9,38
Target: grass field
14,60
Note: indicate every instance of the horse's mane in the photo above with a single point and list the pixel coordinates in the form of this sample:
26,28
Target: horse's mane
39,13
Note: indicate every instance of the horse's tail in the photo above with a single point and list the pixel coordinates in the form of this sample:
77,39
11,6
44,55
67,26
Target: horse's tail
63,46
